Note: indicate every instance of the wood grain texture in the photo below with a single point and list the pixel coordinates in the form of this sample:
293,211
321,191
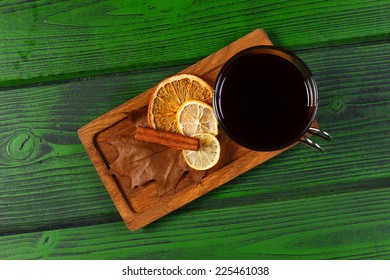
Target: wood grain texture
49,40
55,185
299,205
353,225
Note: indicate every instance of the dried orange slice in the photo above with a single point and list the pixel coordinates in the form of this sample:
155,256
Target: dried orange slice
195,117
208,154
170,94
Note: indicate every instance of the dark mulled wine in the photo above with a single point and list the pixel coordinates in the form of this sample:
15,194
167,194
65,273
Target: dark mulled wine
265,99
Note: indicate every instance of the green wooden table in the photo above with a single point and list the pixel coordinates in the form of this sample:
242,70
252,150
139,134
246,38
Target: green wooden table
64,63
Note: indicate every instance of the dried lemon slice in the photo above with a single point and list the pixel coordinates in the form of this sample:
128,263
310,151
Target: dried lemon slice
208,154
196,117
170,94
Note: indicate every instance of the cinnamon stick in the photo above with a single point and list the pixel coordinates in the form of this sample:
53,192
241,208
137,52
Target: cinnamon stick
170,139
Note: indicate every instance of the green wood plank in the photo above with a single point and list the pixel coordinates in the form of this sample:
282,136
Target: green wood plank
49,40
46,177
335,226
48,181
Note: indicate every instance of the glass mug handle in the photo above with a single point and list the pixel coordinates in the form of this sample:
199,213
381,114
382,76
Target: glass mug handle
317,132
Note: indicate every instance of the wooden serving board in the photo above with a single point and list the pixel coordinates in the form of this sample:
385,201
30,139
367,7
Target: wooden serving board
143,205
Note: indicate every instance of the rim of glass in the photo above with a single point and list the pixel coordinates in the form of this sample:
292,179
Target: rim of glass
285,54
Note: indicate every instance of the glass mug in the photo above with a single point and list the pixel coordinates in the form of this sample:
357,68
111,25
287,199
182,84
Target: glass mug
265,98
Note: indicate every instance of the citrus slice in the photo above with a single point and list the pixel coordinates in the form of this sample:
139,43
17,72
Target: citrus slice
170,94
208,154
195,117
